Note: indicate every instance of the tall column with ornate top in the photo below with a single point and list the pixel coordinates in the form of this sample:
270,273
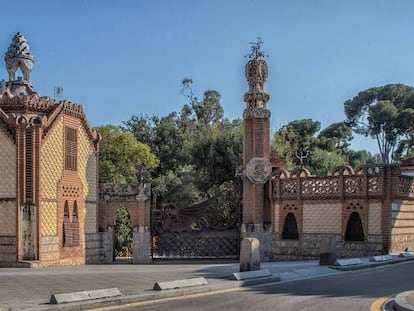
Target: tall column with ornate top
256,147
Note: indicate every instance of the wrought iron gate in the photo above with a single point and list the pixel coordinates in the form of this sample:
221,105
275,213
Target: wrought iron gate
210,229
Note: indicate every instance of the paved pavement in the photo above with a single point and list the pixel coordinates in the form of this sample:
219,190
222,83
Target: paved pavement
31,289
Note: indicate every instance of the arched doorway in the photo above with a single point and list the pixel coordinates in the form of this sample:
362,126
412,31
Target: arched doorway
290,228
354,229
122,235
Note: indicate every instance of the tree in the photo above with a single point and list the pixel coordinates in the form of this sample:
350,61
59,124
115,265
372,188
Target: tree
207,111
123,232
323,161
295,142
336,136
121,156
384,113
362,157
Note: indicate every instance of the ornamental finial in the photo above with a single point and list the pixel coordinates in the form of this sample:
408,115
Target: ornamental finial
18,56
256,75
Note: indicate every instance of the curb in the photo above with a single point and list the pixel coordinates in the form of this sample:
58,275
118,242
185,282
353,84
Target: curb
372,264
401,303
150,295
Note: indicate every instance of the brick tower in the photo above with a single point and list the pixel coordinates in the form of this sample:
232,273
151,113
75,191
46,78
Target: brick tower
256,150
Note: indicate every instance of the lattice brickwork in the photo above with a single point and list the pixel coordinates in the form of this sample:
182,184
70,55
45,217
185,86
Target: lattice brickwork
374,218
7,166
52,161
90,218
316,214
49,219
8,218
87,166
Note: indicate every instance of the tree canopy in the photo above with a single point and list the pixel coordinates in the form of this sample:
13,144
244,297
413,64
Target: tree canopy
386,114
122,156
198,148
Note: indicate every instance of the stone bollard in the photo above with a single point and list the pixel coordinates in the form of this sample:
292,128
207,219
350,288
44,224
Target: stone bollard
327,251
249,255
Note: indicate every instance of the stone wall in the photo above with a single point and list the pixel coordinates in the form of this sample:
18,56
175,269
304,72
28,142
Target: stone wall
7,248
308,246
99,247
88,175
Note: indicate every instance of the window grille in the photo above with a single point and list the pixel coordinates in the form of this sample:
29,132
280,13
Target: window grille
71,147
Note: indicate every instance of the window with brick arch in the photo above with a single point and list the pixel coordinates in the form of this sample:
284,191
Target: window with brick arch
66,236
71,148
75,225
290,228
354,229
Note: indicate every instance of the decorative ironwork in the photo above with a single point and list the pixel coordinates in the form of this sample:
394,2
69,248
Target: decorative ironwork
197,245
210,229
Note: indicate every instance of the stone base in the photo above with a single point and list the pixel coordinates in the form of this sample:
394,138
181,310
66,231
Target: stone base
141,246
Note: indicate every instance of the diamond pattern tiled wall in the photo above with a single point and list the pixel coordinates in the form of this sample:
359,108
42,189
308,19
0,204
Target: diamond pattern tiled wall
7,166
52,170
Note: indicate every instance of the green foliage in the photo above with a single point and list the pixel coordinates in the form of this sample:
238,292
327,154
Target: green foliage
295,142
197,147
323,161
362,157
384,113
300,144
123,232
335,136
121,156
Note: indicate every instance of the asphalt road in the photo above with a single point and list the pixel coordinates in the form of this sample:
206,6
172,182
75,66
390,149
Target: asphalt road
354,290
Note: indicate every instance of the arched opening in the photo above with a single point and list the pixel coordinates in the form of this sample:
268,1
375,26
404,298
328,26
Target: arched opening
290,228
123,234
75,225
354,229
66,237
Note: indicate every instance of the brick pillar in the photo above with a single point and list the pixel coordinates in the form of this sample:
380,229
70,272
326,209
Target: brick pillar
256,150
20,180
36,164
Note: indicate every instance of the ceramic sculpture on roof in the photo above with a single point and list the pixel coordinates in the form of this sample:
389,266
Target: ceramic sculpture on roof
18,56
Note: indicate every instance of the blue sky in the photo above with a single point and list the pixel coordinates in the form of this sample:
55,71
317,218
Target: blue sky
125,57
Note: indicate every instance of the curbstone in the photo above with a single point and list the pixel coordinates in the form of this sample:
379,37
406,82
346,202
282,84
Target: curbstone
348,262
85,295
401,303
180,283
238,276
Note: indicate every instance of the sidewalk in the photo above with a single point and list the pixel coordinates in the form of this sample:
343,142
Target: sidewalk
31,288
